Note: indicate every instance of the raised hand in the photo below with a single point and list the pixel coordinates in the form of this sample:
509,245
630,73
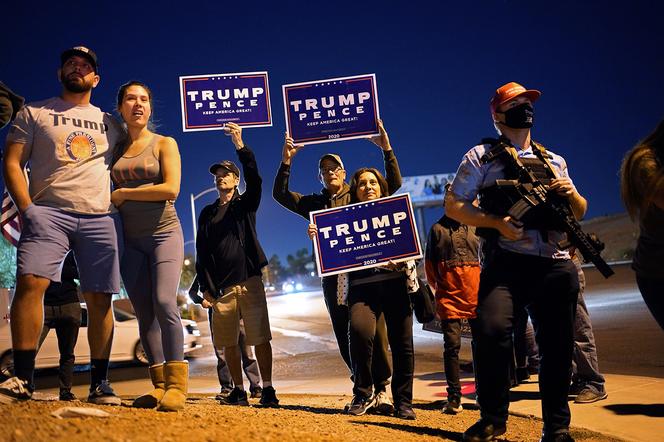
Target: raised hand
290,149
382,140
312,230
235,132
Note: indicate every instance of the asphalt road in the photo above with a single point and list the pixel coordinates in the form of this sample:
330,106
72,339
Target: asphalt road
628,339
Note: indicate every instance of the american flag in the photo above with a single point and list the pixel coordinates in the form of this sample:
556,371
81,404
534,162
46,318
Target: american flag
10,221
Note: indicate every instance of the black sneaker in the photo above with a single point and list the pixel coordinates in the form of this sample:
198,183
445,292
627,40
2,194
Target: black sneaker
405,412
14,390
453,405
67,395
237,397
223,394
483,431
361,404
103,394
256,392
560,437
269,397
522,374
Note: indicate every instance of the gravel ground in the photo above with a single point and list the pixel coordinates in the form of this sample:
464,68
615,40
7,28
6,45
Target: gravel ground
300,417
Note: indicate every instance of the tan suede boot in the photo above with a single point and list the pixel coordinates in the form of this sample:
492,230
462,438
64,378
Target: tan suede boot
152,398
177,377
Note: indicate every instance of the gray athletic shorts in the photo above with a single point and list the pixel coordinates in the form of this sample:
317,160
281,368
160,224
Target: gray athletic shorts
49,233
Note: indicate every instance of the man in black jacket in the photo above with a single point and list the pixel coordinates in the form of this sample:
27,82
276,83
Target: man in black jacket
336,193
229,259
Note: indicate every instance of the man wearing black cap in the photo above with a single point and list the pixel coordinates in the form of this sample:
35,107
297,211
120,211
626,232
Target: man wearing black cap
336,193
69,144
229,259
524,265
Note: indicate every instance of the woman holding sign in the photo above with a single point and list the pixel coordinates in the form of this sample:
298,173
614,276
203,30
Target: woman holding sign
370,294
147,181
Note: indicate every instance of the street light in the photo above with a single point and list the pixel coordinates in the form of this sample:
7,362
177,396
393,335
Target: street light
193,208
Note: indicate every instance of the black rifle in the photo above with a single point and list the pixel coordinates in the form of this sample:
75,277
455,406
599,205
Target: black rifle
531,193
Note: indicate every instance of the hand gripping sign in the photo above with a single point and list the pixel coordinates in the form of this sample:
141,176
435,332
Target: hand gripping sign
365,235
332,110
210,101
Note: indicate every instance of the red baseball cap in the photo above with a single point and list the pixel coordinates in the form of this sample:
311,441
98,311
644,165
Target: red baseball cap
509,91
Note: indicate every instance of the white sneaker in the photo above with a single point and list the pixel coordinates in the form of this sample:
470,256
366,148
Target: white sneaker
14,390
383,404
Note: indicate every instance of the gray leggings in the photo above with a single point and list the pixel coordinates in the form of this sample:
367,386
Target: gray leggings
150,269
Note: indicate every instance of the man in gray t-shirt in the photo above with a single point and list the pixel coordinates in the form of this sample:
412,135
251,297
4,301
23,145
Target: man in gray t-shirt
69,145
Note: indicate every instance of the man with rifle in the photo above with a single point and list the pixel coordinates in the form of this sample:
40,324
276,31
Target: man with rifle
528,208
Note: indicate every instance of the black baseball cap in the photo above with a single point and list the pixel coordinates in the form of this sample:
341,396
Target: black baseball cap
226,164
81,51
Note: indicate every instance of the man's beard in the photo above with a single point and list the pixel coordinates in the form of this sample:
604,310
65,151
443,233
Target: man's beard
74,85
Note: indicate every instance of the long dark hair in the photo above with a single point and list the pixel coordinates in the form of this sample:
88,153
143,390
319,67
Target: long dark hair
382,182
642,173
126,141
123,91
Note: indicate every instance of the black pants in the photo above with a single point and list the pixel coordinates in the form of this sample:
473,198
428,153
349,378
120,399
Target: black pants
451,347
525,347
652,290
548,289
66,320
367,302
339,316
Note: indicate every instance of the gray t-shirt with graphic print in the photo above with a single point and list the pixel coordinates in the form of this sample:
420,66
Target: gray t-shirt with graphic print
70,153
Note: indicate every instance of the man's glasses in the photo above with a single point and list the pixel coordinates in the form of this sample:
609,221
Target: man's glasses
334,170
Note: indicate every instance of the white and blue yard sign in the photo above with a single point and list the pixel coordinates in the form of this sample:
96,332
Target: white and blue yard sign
210,101
332,110
365,235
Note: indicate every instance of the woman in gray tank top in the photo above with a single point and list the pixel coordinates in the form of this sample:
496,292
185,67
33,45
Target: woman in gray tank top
642,180
147,181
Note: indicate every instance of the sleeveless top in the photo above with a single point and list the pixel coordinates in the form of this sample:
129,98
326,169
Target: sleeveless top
143,218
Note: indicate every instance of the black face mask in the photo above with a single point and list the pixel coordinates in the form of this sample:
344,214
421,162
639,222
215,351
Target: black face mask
520,117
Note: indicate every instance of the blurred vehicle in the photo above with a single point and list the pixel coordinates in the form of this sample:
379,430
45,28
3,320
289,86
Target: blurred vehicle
126,343
292,287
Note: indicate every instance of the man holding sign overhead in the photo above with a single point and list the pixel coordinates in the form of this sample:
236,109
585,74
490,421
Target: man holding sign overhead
336,193
229,259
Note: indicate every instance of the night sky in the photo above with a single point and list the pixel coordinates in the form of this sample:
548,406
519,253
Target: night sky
599,67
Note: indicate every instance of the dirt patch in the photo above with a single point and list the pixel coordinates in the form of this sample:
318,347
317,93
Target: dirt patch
301,417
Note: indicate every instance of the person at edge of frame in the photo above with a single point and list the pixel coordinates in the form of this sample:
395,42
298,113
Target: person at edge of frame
642,191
